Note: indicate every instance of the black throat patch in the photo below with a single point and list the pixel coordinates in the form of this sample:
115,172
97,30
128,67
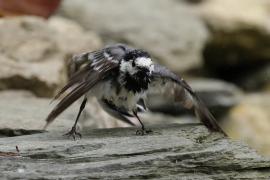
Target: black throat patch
137,82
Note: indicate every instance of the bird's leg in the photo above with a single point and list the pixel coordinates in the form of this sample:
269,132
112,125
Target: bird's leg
142,131
73,132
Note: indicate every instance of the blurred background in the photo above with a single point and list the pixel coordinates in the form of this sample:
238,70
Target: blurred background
222,48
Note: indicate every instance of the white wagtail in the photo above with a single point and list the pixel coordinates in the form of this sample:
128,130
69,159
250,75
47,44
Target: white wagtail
120,77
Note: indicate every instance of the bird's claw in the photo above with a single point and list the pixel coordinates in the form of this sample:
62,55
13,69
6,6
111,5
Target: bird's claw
73,132
142,132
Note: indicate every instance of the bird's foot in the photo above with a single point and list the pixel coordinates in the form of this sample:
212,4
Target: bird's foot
73,132
142,132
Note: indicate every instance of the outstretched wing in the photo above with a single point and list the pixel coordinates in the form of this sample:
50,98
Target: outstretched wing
98,65
177,88
93,62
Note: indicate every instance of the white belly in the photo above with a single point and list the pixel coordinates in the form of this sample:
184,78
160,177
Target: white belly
122,99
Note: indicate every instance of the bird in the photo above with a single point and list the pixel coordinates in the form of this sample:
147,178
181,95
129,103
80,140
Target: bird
121,78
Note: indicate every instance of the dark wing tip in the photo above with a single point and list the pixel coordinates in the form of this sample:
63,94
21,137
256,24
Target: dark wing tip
205,115
53,114
48,120
187,97
93,77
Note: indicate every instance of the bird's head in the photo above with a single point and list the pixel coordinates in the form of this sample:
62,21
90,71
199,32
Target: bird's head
136,61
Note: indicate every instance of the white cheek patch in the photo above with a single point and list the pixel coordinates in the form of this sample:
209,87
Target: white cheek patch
143,62
126,66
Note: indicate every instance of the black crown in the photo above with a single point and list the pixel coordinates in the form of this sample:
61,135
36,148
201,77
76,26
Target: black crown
135,54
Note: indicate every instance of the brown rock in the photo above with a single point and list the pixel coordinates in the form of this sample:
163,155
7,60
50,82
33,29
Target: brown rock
33,52
20,7
250,121
240,36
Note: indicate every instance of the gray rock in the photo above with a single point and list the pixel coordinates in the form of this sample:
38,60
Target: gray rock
167,29
170,152
33,52
22,110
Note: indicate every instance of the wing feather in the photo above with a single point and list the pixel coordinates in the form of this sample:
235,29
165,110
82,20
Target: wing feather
93,61
182,93
76,93
97,66
76,78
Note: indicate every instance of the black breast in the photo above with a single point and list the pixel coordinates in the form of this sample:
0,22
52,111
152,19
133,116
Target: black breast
137,83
